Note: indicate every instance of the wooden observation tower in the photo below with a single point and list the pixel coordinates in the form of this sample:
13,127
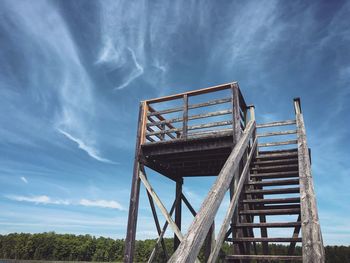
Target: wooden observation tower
265,169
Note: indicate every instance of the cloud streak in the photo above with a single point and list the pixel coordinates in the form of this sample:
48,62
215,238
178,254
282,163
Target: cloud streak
46,200
24,179
101,203
40,199
91,151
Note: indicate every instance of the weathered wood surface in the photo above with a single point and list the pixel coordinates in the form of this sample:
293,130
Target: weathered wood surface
231,209
270,225
270,144
273,200
192,127
178,211
267,239
193,240
192,93
191,106
165,226
264,257
276,123
192,117
134,198
276,133
313,250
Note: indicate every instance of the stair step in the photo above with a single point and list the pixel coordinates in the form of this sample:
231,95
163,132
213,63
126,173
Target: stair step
272,201
264,257
277,161
277,156
280,151
275,175
276,133
282,168
265,239
291,190
271,144
274,182
291,211
275,123
269,225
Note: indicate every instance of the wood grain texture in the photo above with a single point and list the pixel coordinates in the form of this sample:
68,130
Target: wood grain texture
198,230
313,250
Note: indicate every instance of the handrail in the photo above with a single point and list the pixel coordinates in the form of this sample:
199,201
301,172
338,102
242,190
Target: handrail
236,107
244,177
313,250
197,232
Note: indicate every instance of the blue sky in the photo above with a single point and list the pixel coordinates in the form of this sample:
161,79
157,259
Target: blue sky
72,74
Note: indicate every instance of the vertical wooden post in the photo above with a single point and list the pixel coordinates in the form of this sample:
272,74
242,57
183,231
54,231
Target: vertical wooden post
178,209
237,132
185,117
313,250
135,191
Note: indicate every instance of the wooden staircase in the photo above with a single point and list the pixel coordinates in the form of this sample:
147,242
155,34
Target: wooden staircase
273,190
270,195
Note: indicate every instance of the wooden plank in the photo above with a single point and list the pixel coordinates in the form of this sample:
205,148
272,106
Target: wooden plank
193,240
313,250
274,182
191,106
280,168
156,221
134,198
160,126
266,239
193,127
269,225
161,118
270,144
292,190
160,205
263,257
276,161
192,117
276,133
276,123
273,200
291,211
192,93
274,175
231,209
165,226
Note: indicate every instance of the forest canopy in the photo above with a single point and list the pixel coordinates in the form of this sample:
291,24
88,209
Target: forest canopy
68,247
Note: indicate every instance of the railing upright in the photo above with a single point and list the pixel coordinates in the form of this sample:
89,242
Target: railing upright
185,116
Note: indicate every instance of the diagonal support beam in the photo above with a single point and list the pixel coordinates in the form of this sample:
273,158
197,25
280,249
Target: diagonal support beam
161,206
165,226
232,207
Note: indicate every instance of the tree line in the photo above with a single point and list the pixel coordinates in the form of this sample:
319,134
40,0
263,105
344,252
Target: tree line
67,247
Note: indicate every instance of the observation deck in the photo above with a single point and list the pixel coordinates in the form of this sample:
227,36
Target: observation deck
192,133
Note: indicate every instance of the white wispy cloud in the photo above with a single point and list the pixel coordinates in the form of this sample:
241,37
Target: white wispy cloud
24,179
44,199
91,151
39,199
102,203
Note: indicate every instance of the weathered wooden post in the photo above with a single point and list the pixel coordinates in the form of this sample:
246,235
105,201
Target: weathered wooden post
313,250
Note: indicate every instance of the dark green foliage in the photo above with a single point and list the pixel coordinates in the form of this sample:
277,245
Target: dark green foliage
52,246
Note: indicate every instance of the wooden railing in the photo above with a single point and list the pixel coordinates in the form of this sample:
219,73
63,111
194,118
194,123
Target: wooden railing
313,250
163,123
191,243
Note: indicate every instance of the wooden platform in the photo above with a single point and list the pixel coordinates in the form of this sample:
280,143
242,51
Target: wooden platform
197,156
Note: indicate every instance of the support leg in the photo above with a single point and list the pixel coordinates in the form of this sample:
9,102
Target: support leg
178,192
